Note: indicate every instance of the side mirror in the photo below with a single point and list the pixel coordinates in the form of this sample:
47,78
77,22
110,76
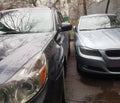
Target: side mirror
66,27
74,28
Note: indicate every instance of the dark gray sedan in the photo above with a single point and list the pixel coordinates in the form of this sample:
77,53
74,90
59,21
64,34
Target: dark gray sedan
97,44
34,46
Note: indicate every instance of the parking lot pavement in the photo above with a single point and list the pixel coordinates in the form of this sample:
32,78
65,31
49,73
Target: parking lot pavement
87,90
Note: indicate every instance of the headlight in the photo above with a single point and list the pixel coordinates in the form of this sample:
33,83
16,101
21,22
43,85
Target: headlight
90,52
26,82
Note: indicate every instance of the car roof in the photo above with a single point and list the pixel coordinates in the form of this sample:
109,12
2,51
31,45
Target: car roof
94,15
32,8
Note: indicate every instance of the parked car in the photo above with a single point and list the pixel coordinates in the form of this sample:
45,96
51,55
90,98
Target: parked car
97,44
34,45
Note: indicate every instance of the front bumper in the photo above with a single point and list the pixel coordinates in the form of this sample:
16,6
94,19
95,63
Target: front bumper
98,65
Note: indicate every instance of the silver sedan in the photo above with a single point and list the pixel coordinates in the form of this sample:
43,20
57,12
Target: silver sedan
97,44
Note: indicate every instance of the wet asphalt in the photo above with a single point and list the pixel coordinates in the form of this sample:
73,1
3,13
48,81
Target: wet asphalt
80,89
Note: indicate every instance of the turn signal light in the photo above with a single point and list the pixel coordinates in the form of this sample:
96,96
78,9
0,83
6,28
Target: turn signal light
42,74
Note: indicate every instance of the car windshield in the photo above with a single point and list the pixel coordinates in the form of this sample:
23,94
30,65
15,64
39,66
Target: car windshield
26,20
99,22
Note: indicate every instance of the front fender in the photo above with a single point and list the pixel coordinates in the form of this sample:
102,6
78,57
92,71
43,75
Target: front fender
55,61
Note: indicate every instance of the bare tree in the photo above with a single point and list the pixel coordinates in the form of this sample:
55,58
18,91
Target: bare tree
84,7
107,6
34,2
54,4
5,6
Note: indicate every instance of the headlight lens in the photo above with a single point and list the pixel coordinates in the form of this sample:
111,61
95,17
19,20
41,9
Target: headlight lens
26,82
90,52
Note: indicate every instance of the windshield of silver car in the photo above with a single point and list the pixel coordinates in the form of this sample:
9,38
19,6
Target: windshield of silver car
98,22
26,20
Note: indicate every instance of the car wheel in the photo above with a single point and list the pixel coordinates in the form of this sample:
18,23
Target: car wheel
69,49
78,66
63,95
65,67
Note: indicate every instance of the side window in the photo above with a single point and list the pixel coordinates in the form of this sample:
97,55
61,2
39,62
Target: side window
57,18
60,18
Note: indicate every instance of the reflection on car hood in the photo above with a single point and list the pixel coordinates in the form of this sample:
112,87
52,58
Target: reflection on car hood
17,49
101,39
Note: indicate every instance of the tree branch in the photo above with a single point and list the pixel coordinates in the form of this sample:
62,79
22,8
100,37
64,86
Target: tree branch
34,2
84,7
107,7
55,2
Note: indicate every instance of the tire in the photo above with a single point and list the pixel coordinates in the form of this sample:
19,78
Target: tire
69,50
69,47
65,67
63,95
77,65
63,98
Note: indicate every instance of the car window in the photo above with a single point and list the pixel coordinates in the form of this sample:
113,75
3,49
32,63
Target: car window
98,22
60,17
28,20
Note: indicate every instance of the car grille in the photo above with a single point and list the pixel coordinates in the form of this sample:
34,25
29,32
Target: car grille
113,53
114,69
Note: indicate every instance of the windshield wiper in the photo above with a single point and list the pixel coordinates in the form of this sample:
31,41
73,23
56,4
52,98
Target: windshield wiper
95,29
102,28
86,29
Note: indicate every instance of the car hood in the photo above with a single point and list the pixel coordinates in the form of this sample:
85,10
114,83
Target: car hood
17,49
100,39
